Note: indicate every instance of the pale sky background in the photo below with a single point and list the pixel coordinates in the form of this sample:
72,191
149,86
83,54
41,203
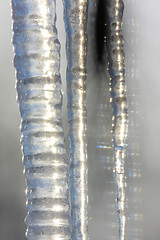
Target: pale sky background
12,197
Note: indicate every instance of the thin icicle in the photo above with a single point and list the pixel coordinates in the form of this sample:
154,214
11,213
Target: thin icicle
114,39
37,63
75,16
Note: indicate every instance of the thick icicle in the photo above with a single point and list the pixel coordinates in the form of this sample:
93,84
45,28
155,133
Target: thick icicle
37,63
75,16
114,40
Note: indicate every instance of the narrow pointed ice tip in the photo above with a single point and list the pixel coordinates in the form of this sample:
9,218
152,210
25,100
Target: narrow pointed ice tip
37,63
115,49
75,16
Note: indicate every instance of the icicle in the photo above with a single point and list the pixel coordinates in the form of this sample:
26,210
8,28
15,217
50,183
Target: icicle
115,50
37,63
75,16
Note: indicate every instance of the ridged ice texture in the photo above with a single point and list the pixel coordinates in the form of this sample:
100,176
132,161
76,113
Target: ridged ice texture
75,16
37,63
114,40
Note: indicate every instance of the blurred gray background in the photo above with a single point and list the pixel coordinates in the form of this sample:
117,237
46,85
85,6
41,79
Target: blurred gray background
142,32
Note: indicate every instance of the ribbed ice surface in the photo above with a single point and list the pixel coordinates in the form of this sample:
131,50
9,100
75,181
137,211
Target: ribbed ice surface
37,60
75,15
114,40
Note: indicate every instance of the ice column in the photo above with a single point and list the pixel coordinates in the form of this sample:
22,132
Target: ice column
75,16
37,63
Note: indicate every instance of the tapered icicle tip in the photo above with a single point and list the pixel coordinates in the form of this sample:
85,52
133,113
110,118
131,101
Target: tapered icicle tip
115,49
37,63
